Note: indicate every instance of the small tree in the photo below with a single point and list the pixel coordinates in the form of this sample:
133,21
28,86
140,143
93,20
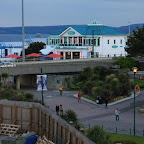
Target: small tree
98,135
70,115
127,62
86,74
135,43
4,76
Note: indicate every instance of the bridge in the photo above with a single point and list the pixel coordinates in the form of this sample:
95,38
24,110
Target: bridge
53,67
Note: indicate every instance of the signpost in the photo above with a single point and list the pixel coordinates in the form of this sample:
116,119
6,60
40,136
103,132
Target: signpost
42,84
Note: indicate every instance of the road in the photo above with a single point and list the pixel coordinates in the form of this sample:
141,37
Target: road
90,114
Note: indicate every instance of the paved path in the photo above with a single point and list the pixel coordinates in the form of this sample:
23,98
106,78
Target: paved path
90,114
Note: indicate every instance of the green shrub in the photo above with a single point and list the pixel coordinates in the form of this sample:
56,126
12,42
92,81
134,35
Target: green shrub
95,77
96,91
28,97
127,62
98,135
89,97
70,115
124,142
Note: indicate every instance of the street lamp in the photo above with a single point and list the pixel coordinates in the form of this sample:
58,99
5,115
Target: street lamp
134,70
23,50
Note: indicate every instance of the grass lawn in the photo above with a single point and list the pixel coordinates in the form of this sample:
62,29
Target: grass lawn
140,83
138,139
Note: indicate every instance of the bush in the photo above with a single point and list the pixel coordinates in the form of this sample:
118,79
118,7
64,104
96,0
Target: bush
89,97
96,91
127,62
98,135
70,115
28,97
124,142
95,77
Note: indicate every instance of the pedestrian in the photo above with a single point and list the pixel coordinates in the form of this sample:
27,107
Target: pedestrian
117,114
60,89
79,97
106,103
57,109
61,109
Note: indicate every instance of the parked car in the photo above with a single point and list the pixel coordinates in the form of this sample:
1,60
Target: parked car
7,64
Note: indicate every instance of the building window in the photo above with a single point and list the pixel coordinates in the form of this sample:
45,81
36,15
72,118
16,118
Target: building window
16,53
65,40
120,41
61,41
84,41
89,41
75,40
98,42
70,40
108,42
114,41
54,42
80,41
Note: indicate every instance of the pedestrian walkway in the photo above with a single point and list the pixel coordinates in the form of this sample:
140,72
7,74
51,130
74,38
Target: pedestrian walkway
92,113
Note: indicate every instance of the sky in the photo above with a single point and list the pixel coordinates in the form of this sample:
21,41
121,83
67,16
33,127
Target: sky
68,12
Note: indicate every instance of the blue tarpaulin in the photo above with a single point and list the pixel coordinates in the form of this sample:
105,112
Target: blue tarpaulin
31,139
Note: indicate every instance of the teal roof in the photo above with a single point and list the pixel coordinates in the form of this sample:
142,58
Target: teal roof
98,30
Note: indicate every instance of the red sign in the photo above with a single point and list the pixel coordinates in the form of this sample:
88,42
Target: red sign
137,89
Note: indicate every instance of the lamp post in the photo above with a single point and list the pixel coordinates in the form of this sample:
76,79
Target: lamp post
23,50
134,70
42,86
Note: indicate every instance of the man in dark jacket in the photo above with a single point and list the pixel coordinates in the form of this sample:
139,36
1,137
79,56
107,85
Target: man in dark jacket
57,109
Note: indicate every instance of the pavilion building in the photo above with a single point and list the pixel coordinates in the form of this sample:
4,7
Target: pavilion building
87,41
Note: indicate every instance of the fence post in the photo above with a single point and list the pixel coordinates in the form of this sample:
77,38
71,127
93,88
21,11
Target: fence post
116,129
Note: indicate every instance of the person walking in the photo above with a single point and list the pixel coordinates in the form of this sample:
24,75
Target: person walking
117,114
60,89
106,103
61,109
57,109
79,97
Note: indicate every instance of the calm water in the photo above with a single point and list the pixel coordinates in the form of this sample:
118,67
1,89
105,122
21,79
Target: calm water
16,37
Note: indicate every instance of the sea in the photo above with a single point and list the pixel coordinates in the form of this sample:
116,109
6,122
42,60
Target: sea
18,37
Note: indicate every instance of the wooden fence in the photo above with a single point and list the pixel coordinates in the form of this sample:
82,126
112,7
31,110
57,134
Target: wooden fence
37,118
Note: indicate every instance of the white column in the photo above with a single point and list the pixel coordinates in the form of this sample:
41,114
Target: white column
64,55
71,55
82,41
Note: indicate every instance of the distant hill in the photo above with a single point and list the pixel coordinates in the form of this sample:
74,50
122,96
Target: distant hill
125,29
53,29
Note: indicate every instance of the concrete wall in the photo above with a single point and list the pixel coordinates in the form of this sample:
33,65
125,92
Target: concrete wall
54,81
37,118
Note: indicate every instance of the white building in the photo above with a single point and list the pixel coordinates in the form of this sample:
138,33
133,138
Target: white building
8,48
83,41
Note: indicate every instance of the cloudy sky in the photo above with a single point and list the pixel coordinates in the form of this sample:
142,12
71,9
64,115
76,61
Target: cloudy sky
62,12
